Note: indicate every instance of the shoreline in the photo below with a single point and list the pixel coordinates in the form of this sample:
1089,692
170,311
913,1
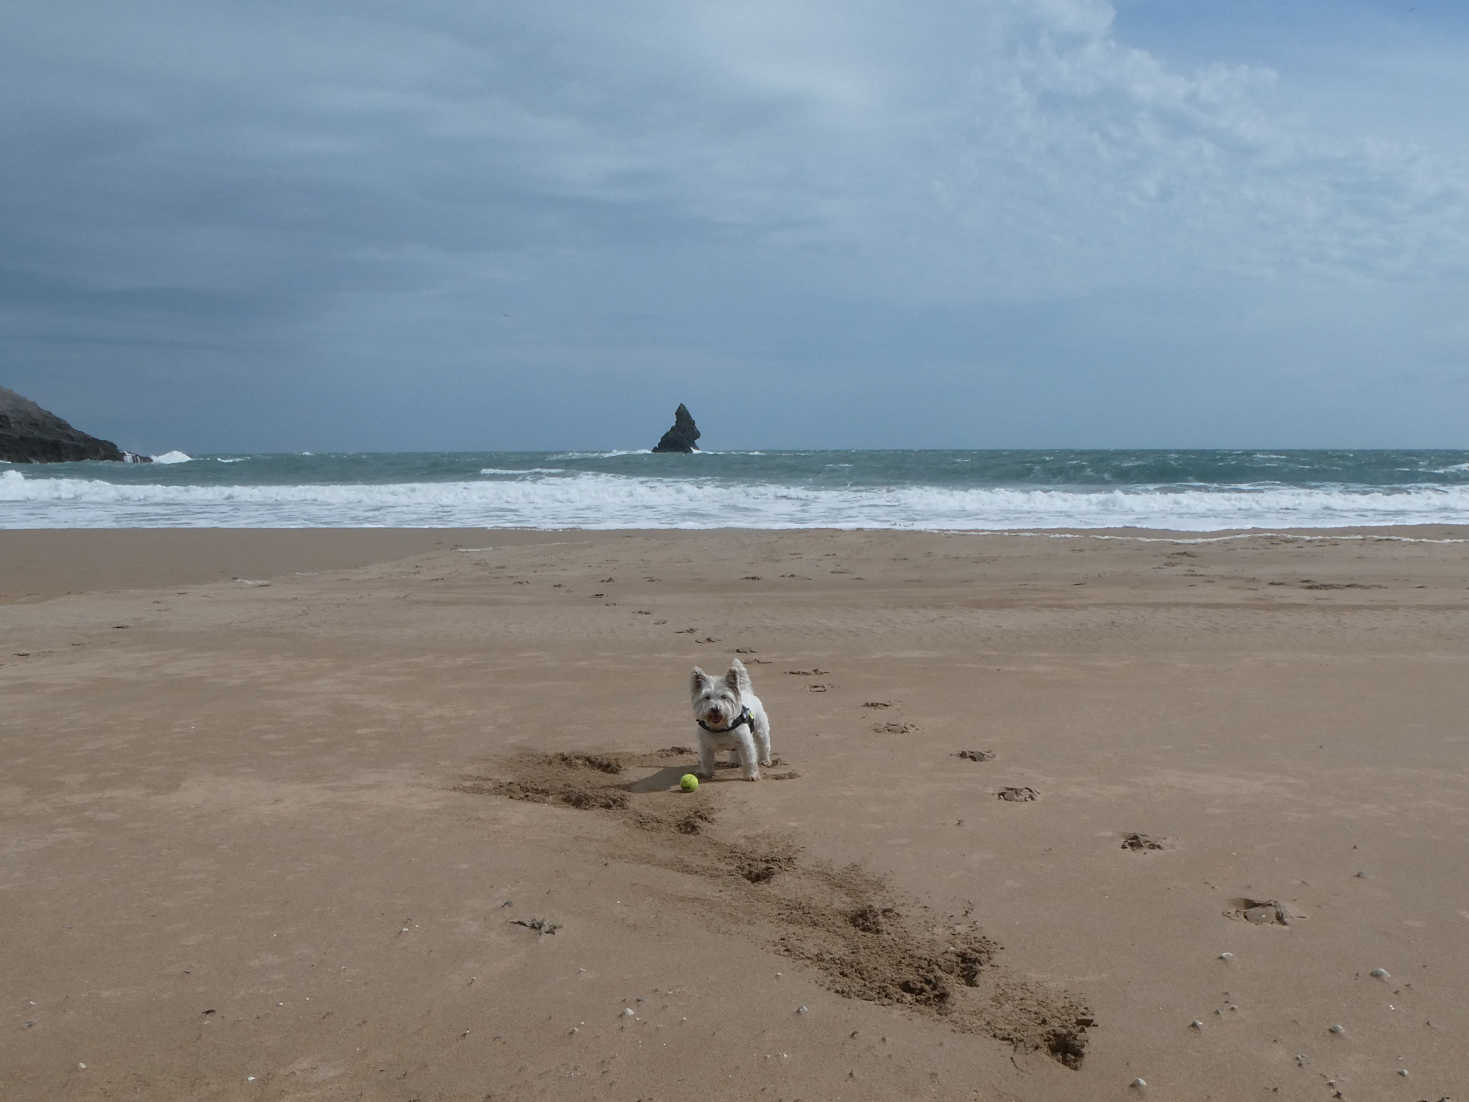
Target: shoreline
41,563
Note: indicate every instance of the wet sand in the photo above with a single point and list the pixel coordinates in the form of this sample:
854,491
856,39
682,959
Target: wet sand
393,814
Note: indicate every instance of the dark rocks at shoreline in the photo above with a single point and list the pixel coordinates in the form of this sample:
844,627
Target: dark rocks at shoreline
681,437
30,434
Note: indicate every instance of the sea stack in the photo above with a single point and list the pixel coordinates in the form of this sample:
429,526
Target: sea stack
30,434
681,437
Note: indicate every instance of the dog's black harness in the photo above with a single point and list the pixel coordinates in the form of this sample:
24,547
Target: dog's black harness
743,718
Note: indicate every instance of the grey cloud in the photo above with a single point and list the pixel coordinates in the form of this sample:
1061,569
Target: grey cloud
556,206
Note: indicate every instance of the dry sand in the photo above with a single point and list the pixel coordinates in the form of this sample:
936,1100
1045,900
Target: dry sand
292,815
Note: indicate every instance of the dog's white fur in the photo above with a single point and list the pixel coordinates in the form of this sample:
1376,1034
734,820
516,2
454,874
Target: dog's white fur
718,702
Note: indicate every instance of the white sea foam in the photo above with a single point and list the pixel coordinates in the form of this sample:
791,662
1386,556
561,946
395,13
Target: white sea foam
599,455
1253,533
522,470
603,501
173,457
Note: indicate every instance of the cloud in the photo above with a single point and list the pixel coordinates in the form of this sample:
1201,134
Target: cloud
364,192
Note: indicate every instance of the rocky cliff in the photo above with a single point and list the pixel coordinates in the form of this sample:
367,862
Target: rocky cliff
30,434
681,437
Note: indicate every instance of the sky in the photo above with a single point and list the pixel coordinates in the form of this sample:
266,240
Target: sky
372,226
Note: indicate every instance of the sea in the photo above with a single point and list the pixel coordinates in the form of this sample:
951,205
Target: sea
925,490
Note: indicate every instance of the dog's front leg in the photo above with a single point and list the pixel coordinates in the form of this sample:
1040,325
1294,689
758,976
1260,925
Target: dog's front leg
706,759
746,750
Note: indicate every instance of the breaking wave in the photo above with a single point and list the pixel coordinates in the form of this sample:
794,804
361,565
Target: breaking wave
607,501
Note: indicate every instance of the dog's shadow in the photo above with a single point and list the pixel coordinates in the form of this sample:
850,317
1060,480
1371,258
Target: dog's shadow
664,779
669,776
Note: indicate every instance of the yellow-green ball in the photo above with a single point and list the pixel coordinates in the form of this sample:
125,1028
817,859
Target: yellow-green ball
688,782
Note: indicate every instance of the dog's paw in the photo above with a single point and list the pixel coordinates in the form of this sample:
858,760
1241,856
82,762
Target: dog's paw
755,776
767,762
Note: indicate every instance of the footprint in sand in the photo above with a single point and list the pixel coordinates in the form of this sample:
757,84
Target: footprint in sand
1018,795
1262,912
1140,843
976,755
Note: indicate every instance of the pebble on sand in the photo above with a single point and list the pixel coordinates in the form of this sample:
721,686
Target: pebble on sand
1139,1084
1338,1029
1380,974
1226,956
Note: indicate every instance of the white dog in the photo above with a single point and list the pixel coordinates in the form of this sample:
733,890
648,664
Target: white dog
730,717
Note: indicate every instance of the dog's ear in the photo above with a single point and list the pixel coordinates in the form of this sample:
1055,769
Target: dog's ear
738,678
698,681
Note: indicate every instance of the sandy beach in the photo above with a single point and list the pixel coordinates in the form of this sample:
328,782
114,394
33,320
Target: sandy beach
393,814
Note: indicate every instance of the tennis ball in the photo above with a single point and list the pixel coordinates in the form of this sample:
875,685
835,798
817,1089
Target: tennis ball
688,782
